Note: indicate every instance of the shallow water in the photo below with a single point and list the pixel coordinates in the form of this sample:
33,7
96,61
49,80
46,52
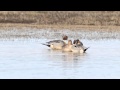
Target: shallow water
30,33
29,59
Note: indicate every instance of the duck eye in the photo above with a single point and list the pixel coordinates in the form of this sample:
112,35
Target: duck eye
75,46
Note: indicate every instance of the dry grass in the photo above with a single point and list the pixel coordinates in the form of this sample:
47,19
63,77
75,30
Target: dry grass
10,26
94,18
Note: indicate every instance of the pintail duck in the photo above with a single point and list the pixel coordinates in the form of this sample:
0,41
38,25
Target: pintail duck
78,47
57,44
68,46
78,42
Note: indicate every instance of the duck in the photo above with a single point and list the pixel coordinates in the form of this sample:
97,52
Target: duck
68,46
78,42
78,47
57,44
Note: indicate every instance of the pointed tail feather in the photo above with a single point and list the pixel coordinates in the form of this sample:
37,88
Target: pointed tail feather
45,44
86,49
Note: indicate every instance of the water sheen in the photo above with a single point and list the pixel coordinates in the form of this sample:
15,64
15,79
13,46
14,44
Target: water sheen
29,59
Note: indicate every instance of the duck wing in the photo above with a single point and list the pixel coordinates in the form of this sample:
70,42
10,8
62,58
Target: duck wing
54,41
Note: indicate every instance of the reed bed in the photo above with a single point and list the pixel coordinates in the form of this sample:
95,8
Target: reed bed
97,18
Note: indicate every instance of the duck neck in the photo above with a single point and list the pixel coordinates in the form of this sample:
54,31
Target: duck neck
65,41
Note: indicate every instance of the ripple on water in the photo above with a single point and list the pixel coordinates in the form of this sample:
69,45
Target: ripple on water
27,58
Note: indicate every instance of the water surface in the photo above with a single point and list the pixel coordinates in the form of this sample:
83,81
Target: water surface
27,58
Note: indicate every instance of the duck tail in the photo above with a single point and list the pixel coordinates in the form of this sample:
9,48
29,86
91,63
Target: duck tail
45,44
86,49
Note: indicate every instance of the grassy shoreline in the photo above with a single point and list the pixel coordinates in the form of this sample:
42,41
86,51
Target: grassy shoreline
57,27
96,18
90,20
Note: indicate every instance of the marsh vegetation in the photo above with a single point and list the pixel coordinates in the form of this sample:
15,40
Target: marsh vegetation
103,18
